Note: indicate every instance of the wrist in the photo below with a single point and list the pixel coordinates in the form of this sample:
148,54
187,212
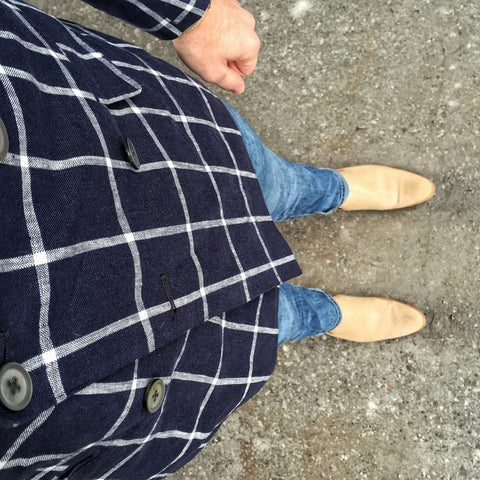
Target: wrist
198,22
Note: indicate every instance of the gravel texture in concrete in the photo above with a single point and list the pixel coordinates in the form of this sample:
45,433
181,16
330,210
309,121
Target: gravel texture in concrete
346,83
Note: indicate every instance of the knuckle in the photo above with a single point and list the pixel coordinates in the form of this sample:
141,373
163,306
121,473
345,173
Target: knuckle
250,19
256,43
252,43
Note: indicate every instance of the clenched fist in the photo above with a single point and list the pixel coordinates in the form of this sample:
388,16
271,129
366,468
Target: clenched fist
222,47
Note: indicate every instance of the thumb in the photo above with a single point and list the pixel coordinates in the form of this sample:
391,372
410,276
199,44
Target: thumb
230,79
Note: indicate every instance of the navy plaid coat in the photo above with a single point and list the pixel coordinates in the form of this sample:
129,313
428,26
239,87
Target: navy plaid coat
134,245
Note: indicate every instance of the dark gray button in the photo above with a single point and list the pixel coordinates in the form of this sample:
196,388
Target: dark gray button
154,395
131,153
3,141
15,386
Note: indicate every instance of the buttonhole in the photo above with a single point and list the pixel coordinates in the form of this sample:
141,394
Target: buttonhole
3,346
168,291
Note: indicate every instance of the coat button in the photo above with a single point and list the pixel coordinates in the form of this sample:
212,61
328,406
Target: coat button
15,386
3,141
154,395
131,153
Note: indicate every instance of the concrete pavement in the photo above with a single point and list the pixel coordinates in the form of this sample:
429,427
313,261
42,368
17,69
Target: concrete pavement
347,83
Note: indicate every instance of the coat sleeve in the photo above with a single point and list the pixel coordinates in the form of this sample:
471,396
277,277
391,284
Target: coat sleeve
166,19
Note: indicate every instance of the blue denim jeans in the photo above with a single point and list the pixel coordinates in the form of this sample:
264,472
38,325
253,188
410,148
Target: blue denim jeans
293,190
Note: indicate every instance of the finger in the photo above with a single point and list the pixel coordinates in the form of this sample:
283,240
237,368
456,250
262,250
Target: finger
230,79
246,61
244,67
233,66
224,76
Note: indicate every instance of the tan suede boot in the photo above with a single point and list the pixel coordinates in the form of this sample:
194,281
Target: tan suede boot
377,187
370,319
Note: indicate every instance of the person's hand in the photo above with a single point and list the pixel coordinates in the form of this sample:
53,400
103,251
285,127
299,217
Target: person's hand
222,47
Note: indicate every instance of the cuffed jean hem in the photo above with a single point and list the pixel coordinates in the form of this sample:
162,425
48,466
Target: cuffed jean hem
305,312
319,191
